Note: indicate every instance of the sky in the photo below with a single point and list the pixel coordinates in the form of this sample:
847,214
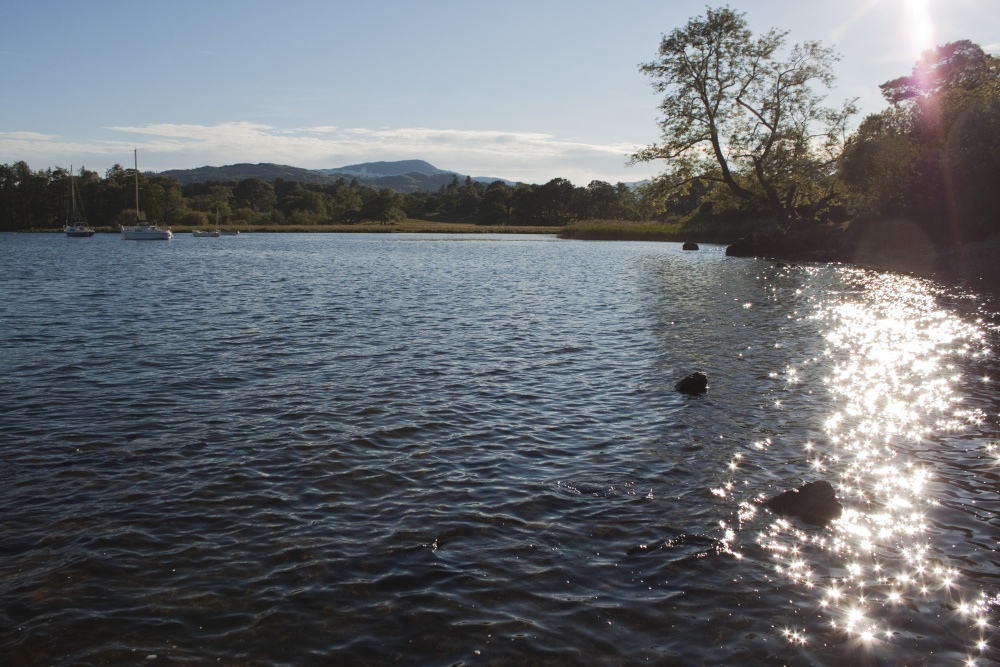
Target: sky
521,90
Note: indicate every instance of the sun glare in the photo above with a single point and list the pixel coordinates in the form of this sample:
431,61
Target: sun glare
920,25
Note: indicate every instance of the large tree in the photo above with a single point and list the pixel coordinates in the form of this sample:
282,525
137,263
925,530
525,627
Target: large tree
742,111
385,206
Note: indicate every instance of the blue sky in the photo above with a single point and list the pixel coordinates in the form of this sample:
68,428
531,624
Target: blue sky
521,90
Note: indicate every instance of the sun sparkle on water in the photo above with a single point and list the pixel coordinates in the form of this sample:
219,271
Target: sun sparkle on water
896,373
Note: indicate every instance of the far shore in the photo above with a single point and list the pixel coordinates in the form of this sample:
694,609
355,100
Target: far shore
407,226
874,245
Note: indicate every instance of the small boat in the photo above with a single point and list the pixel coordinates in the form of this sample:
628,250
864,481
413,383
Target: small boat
146,233
228,232
139,231
76,223
78,231
204,233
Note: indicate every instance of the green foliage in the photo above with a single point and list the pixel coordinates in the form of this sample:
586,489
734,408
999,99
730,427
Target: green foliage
345,202
878,164
162,196
194,219
126,217
308,203
385,207
949,75
254,194
741,111
497,204
933,156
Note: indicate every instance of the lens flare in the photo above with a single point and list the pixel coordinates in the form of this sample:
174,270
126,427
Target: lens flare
921,25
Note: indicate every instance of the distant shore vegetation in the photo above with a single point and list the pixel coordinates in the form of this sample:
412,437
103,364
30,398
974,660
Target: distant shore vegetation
37,201
752,157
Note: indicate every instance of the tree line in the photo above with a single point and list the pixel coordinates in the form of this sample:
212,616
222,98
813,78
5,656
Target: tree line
39,200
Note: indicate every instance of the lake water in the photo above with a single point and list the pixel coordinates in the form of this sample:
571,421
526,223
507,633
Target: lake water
468,450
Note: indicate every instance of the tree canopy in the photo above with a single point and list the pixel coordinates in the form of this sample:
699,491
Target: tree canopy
932,157
741,111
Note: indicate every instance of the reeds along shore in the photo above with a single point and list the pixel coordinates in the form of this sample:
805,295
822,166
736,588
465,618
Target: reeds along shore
699,231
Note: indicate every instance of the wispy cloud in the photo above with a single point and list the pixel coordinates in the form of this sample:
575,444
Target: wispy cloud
27,136
527,156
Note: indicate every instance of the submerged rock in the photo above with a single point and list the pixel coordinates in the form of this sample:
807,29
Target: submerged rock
690,245
696,383
815,502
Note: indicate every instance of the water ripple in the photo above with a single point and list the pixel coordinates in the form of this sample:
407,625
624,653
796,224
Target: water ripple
372,449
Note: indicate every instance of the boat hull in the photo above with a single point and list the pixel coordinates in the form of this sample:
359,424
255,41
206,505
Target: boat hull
146,233
79,232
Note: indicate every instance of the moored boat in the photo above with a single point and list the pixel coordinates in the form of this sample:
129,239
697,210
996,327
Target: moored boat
146,233
141,231
76,222
204,233
78,231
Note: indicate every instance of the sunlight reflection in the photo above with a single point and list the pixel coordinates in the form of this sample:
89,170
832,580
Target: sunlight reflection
892,386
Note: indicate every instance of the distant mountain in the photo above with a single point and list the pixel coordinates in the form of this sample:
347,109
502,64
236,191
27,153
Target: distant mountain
403,175
238,172
377,169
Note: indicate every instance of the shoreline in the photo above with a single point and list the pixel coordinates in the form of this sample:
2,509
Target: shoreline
427,228
974,262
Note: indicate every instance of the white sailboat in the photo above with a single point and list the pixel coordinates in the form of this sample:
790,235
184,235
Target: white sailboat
140,231
204,233
76,223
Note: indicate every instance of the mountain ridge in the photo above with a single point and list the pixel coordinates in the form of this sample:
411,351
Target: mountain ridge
385,168
400,175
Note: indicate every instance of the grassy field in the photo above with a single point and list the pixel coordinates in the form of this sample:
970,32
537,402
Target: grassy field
623,230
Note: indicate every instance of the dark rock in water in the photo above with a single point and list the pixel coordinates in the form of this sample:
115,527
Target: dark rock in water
689,246
815,502
696,383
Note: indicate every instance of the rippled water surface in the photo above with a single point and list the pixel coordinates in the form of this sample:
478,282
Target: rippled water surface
425,450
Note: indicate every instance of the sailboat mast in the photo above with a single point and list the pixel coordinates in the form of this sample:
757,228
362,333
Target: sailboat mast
72,196
135,153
